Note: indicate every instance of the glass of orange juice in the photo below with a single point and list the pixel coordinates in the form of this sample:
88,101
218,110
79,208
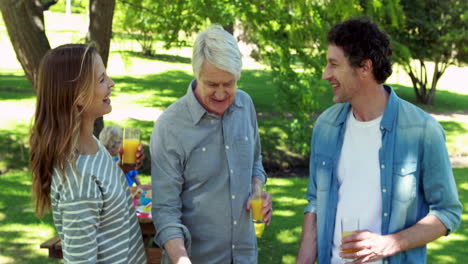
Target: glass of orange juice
349,225
131,141
258,193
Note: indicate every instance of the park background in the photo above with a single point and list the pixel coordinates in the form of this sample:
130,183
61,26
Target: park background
283,47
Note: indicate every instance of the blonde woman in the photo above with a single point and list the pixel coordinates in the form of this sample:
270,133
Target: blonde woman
72,172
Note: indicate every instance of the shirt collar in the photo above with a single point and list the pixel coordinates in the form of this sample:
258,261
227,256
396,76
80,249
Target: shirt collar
389,115
391,111
197,110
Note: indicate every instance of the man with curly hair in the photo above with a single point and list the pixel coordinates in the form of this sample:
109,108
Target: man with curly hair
375,158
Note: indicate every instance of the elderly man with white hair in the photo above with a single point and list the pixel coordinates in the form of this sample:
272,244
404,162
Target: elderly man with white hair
205,157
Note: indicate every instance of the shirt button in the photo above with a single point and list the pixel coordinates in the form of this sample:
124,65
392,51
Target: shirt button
385,214
233,246
323,163
232,171
233,197
384,190
235,222
246,139
203,149
381,127
382,166
227,147
402,169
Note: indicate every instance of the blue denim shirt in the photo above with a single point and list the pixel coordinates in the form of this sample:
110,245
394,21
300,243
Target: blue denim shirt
416,175
202,167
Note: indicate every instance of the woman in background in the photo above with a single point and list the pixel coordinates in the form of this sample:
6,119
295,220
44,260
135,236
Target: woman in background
72,172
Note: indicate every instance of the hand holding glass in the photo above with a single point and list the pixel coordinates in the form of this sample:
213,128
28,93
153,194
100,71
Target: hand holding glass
349,226
257,201
131,141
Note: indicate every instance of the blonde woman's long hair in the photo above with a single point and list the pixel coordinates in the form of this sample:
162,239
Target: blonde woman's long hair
65,78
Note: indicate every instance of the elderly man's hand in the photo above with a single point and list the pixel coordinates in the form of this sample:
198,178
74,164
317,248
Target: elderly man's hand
370,246
267,207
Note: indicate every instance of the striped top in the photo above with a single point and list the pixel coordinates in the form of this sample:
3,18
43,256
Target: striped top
94,214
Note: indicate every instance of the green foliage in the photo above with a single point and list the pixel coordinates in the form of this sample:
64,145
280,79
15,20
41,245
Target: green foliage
174,22
430,30
290,37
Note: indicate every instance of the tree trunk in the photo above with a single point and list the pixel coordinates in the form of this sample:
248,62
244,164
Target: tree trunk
24,21
101,13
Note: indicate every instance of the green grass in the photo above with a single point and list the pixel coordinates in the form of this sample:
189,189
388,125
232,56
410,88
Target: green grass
21,232
445,100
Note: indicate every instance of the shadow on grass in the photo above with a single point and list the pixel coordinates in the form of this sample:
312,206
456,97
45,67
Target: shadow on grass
15,87
453,128
159,57
14,153
443,101
19,237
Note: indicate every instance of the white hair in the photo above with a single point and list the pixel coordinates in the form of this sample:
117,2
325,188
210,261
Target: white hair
111,136
218,47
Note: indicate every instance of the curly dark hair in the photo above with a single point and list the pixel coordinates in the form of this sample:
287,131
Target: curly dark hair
361,39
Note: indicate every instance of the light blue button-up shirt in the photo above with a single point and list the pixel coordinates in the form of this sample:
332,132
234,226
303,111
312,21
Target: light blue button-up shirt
416,175
202,169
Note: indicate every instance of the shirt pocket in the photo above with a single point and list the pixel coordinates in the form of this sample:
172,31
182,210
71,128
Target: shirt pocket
323,172
404,189
244,151
200,165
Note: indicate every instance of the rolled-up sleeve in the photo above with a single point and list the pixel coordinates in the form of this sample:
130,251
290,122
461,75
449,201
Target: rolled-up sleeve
257,169
439,185
311,194
167,181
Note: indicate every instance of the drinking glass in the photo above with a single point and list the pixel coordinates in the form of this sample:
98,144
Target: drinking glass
131,141
349,225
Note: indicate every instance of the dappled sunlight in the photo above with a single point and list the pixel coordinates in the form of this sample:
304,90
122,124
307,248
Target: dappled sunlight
463,186
288,236
283,182
290,200
285,213
6,260
11,114
288,259
121,63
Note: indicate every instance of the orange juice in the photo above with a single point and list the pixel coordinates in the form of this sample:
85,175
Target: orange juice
345,234
259,227
130,147
257,206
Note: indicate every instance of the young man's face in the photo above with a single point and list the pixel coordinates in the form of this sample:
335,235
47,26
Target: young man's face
341,76
216,89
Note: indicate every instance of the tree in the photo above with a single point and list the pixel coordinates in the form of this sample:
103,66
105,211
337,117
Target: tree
24,21
430,30
101,13
172,22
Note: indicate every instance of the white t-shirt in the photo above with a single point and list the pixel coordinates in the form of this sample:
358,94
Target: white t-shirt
359,193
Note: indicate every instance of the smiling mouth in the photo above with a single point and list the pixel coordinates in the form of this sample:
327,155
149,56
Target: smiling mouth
219,101
107,100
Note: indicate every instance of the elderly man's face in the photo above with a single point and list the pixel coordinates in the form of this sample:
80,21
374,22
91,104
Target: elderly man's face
216,89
